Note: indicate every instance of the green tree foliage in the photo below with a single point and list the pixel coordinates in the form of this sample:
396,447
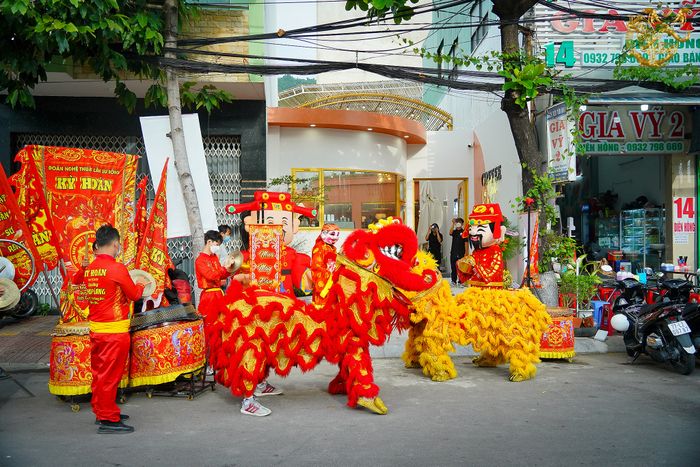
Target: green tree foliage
401,10
106,37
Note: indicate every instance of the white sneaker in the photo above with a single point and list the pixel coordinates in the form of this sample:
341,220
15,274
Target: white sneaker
266,389
253,407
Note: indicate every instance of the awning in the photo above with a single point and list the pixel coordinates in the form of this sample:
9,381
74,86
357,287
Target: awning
649,99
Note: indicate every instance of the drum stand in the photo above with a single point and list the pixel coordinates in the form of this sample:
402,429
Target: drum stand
5,375
188,385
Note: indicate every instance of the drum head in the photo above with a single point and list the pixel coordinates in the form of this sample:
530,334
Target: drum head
7,269
143,276
10,295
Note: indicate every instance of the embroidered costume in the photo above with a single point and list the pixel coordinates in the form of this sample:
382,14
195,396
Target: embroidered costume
109,291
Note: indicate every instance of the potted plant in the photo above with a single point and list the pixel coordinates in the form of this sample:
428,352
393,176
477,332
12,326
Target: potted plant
578,286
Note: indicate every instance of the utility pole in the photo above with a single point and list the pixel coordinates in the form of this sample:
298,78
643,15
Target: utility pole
177,135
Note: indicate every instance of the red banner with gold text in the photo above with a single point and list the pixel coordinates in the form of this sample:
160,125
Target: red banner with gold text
84,189
265,254
31,198
153,256
141,217
14,227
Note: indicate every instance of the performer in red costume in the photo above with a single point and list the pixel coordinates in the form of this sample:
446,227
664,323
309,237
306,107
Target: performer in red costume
210,274
109,289
323,261
484,266
277,208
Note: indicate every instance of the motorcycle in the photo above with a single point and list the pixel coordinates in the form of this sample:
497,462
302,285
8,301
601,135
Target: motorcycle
656,329
682,291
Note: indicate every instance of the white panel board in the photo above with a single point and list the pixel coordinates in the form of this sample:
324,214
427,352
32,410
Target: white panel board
158,148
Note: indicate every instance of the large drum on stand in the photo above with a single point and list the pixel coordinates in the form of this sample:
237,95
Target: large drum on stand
166,343
557,341
70,373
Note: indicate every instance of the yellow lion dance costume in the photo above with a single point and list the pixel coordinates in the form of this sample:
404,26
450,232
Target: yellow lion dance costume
501,325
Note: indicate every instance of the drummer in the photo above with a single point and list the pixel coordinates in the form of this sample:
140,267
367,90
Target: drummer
109,289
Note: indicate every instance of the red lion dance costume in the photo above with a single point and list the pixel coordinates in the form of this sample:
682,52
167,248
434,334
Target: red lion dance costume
258,330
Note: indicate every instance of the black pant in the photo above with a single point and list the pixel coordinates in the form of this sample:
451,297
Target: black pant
453,265
437,254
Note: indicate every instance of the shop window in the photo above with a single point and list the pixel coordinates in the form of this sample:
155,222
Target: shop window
352,199
307,189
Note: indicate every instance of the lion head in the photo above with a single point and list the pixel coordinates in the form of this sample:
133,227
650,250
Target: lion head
389,250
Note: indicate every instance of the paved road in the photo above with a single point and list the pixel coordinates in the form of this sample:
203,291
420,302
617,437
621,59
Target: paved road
595,411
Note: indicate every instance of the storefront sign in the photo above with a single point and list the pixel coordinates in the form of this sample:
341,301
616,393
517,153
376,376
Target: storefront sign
683,219
688,54
561,155
657,131
598,43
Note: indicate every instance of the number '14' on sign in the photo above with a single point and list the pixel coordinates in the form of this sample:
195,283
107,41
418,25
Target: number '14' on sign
563,56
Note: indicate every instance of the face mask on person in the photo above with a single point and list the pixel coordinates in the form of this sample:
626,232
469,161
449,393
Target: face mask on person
215,248
458,225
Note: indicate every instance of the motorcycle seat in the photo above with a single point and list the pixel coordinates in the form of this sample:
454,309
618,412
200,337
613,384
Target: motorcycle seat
651,307
690,308
676,284
629,284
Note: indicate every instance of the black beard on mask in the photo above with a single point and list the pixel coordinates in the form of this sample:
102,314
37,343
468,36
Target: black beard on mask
476,244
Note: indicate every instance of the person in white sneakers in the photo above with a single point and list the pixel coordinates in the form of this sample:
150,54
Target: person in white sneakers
251,406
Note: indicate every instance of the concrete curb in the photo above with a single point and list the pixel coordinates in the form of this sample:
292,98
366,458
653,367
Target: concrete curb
582,345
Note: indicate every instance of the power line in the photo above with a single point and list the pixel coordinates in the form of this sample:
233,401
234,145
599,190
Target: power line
588,14
334,26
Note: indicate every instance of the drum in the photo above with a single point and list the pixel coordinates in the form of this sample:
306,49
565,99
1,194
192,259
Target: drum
162,352
69,367
558,340
162,316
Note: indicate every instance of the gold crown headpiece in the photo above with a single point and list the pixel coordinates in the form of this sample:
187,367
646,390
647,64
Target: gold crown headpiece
374,228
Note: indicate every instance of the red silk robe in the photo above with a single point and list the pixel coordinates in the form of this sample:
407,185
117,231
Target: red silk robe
209,273
322,264
483,268
109,291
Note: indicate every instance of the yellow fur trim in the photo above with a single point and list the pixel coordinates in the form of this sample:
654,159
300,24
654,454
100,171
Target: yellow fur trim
501,325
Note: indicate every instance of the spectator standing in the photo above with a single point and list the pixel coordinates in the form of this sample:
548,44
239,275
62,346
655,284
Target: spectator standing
458,247
434,239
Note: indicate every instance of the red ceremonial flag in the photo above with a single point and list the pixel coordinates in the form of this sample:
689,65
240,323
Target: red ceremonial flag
152,256
29,188
141,215
68,193
14,227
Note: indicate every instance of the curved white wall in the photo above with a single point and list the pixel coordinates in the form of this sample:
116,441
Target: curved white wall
289,148
320,148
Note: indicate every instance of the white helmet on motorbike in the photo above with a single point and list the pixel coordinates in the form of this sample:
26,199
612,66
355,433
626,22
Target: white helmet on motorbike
620,322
